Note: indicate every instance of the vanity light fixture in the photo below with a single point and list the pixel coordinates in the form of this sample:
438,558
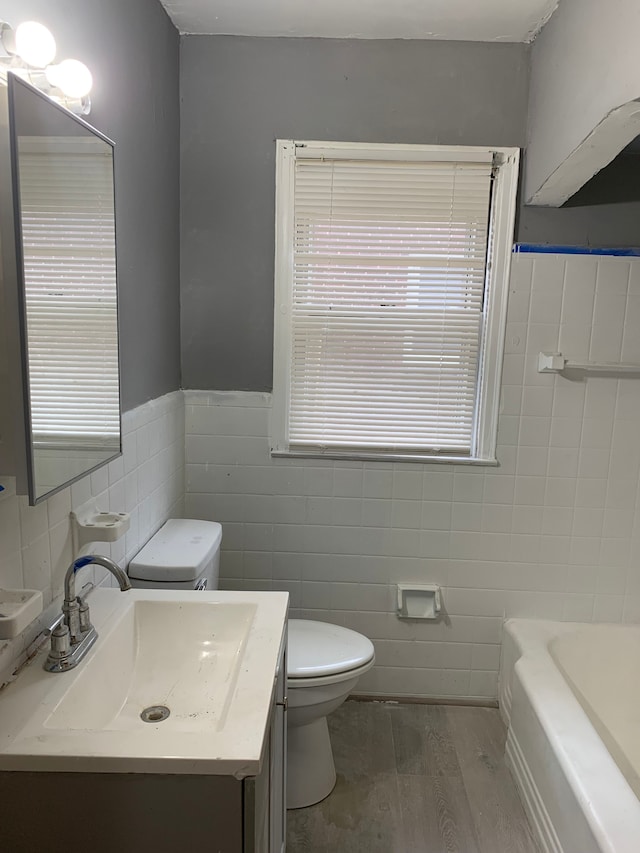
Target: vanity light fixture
29,51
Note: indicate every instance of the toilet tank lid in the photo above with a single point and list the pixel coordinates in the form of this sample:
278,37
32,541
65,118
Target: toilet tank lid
179,551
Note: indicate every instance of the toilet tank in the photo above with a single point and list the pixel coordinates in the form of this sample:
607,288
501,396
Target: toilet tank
183,554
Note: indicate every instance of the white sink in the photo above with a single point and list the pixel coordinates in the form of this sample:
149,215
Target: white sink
184,655
208,658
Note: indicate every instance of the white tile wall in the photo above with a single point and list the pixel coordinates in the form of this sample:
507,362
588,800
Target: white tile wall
147,481
554,532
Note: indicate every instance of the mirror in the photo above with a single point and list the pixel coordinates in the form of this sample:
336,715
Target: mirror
66,255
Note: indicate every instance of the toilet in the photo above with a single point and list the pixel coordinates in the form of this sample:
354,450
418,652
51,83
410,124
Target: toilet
324,664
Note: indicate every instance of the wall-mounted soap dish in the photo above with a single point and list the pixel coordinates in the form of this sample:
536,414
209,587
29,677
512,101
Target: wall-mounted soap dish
18,609
96,526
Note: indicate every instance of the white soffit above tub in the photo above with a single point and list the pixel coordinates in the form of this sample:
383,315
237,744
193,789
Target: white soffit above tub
464,20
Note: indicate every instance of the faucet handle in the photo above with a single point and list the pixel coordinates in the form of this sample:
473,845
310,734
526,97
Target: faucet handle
60,642
83,612
71,610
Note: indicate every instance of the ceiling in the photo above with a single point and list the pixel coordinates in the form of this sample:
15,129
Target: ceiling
465,20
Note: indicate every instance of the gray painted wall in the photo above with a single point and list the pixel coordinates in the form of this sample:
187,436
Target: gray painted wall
132,49
603,225
619,181
239,94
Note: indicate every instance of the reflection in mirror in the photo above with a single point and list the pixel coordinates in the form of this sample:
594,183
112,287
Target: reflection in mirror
65,219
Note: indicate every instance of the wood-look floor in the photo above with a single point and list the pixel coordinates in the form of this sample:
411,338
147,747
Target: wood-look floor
415,779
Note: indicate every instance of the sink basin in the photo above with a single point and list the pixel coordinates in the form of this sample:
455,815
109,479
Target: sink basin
183,655
209,659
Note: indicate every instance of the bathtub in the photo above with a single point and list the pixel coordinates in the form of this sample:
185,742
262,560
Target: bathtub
570,697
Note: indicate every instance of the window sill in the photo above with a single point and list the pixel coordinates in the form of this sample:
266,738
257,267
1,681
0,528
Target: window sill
385,457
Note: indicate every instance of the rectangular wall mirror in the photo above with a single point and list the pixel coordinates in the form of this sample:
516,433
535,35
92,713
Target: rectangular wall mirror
64,220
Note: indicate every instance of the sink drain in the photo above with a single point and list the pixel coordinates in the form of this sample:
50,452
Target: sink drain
155,714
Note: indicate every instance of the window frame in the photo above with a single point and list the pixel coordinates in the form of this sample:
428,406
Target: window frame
500,243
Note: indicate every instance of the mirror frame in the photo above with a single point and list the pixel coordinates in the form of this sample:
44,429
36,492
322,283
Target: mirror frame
13,81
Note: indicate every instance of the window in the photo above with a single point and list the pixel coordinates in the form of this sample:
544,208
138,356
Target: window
392,267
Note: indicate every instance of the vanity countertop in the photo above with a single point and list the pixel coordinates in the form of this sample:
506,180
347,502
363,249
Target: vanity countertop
209,657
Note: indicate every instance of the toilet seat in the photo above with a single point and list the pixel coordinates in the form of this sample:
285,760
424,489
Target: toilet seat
296,683
320,652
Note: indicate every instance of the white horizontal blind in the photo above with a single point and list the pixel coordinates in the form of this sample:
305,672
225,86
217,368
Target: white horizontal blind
388,283
68,228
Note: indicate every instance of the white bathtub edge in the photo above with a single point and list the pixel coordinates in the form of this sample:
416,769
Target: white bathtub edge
532,802
551,729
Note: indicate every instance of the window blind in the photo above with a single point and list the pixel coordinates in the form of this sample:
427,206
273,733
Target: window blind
389,263
68,230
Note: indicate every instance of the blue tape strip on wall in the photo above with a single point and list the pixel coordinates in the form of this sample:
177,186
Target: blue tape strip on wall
536,248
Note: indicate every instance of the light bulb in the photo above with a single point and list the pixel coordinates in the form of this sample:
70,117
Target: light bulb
34,44
72,77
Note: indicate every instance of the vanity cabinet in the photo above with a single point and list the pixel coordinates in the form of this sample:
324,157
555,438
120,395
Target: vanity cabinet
163,813
265,814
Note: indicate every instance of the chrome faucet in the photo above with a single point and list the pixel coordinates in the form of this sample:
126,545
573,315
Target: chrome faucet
74,634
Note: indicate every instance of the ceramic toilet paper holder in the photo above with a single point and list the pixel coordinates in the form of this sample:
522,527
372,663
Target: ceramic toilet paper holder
419,601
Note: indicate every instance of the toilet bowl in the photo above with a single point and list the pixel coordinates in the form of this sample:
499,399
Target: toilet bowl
324,660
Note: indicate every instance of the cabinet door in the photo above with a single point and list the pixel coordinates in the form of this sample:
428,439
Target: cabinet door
278,769
265,808
258,807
